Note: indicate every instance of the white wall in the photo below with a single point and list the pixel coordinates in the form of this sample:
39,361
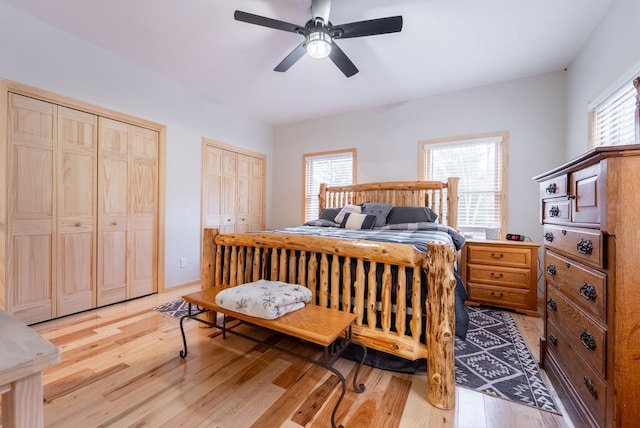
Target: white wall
39,55
387,140
611,52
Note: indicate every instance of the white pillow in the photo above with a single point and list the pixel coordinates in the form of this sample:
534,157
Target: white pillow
355,209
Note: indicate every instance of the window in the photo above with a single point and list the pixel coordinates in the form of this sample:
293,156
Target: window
613,119
479,161
334,168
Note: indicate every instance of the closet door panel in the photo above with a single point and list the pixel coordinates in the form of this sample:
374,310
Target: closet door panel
113,211
77,172
211,187
143,191
256,209
31,261
229,194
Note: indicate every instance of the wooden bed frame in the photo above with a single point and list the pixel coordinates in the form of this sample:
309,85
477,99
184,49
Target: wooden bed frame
320,262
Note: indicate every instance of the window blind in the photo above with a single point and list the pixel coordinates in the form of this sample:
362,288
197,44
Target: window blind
335,169
613,122
478,163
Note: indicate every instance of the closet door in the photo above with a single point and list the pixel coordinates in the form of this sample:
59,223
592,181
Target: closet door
76,219
256,195
249,208
211,186
113,211
143,192
229,195
31,240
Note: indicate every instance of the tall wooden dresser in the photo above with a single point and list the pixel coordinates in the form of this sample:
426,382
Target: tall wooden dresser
590,209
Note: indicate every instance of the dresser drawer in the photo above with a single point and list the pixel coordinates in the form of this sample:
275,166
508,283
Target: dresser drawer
582,244
582,285
554,187
588,338
499,255
502,276
588,385
556,211
497,296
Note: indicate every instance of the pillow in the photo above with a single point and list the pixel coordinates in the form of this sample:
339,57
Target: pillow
399,215
356,209
321,223
381,211
358,221
329,213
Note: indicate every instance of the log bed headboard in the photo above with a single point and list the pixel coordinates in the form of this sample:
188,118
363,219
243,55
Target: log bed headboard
432,194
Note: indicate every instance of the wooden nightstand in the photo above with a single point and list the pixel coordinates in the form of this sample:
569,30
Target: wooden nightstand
502,274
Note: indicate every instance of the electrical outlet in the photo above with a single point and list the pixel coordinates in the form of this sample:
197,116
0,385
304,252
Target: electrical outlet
183,262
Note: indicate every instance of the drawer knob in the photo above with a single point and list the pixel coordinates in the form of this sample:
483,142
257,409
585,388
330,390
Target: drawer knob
585,246
498,295
551,269
551,189
497,256
496,276
78,224
552,340
554,211
588,291
588,340
571,196
552,305
548,236
590,387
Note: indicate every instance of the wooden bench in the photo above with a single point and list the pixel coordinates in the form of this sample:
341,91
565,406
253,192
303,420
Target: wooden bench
329,328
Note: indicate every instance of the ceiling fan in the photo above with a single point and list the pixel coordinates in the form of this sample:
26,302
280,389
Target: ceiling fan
320,34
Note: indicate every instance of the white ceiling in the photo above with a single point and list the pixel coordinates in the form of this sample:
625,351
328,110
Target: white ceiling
445,45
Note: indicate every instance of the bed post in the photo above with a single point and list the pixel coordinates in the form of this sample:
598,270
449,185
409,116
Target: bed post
208,266
440,306
322,198
452,201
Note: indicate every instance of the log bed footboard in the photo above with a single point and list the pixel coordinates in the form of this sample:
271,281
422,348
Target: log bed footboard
325,266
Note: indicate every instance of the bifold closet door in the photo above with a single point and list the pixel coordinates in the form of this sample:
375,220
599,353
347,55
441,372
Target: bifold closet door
113,211
76,207
31,258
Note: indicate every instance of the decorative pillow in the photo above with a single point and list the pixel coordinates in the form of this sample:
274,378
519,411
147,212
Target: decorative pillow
400,215
321,223
381,211
356,209
358,221
329,213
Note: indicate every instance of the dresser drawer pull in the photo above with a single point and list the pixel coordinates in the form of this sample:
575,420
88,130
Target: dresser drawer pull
552,305
588,291
554,211
496,276
78,224
553,340
497,295
588,341
548,236
585,246
551,189
590,387
497,256
551,269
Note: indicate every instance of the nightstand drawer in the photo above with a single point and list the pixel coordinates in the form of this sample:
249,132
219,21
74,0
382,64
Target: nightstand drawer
501,276
499,255
497,296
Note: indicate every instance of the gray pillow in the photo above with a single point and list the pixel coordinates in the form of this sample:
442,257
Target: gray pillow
381,211
329,213
400,215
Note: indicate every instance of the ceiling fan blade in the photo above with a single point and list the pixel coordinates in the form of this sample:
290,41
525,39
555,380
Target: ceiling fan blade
291,59
266,22
321,9
342,61
392,24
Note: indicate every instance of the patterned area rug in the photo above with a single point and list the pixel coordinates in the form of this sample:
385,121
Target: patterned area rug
495,360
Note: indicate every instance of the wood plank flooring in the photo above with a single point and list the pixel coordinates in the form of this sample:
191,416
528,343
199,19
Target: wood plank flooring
120,368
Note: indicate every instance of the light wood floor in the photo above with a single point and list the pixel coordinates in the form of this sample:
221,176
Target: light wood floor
120,368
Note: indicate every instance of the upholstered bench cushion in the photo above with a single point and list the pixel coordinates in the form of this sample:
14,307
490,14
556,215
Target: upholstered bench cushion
264,299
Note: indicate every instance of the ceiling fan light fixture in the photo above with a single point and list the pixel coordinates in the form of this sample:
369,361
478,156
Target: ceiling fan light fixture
318,44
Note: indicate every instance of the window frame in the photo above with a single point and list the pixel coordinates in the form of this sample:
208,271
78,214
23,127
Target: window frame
325,154
423,156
